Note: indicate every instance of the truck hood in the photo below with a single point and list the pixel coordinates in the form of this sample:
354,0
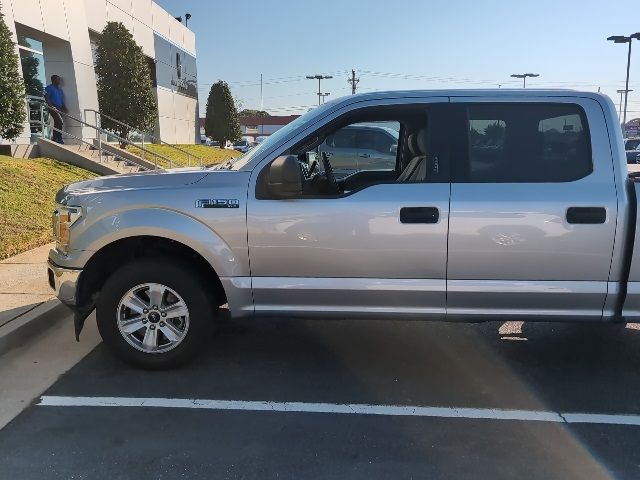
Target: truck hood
152,179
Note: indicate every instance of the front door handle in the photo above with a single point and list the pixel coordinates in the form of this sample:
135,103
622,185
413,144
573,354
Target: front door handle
586,215
419,215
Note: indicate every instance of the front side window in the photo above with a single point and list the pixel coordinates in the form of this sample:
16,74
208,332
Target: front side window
405,144
525,143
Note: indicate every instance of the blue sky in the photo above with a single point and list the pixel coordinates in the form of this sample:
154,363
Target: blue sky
408,44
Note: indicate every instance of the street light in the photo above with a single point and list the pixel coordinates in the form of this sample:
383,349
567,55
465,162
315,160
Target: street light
620,109
324,95
187,17
319,78
629,40
524,76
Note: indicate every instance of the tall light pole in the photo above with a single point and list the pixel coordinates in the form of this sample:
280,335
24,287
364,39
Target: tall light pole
319,78
524,77
324,95
621,92
629,40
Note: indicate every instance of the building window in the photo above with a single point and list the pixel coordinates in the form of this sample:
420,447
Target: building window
175,69
32,60
28,42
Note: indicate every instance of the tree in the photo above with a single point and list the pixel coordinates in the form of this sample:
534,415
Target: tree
13,112
222,122
125,89
247,112
494,133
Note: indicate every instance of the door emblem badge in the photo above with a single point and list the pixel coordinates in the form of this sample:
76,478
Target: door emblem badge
218,203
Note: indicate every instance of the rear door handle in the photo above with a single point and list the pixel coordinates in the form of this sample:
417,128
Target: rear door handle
586,215
419,215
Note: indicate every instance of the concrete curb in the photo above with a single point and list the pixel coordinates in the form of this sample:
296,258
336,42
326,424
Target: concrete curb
20,330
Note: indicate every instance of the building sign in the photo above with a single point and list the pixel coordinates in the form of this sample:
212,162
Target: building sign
175,68
632,128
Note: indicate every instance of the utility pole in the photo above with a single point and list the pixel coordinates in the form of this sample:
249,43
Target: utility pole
261,97
319,78
622,93
353,81
625,39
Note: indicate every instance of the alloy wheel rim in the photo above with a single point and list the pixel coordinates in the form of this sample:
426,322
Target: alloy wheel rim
152,318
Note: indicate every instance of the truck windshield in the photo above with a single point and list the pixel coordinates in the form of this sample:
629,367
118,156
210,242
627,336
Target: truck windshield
276,138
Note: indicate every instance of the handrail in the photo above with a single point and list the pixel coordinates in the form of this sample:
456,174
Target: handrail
153,137
122,159
100,130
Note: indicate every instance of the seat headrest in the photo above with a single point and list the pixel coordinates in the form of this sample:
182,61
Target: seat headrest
421,141
411,143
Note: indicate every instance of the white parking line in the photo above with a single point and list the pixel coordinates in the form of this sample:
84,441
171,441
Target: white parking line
346,409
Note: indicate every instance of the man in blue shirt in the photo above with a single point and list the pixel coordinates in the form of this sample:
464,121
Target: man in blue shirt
54,96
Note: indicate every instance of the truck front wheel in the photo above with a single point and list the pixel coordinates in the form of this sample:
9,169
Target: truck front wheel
155,313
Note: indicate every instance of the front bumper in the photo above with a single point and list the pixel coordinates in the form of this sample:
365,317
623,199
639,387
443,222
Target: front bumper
65,282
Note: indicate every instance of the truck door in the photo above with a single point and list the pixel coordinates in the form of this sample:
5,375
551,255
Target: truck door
378,249
533,210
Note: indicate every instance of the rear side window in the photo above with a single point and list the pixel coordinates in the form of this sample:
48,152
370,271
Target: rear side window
512,142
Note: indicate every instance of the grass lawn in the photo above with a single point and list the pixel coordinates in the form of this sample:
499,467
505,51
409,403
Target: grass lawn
27,199
208,154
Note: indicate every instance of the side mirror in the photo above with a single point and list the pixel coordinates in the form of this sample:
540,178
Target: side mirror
285,177
394,149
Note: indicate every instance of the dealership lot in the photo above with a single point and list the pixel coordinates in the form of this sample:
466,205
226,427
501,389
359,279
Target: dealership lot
238,411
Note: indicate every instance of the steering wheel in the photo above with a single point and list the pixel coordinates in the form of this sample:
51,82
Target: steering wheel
328,173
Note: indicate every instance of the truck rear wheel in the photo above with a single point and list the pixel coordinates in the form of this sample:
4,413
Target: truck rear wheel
155,313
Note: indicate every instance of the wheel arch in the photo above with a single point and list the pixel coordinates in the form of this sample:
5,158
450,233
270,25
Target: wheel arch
104,262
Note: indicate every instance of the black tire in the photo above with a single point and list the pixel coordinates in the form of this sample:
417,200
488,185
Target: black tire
178,277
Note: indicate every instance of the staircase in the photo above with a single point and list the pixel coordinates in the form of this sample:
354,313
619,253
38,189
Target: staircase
88,157
93,154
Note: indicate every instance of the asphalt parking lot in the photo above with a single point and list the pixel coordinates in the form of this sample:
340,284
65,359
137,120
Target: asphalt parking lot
540,376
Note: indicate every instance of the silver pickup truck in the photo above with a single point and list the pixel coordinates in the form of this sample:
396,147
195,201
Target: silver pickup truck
500,205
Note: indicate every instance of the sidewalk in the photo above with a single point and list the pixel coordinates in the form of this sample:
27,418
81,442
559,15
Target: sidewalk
23,283
37,343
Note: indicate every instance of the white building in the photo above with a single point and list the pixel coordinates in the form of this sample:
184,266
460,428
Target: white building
58,37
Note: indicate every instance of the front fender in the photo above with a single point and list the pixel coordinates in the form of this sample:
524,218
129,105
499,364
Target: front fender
227,260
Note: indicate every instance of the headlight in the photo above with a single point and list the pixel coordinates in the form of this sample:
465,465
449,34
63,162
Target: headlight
63,218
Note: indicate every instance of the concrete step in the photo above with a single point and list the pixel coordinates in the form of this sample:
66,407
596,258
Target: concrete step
130,158
84,157
112,160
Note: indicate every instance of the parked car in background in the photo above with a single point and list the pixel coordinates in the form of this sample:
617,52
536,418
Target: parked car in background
632,149
204,140
242,146
362,147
